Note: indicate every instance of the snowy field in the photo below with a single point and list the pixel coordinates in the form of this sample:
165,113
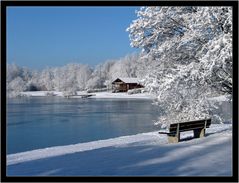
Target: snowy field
141,154
95,95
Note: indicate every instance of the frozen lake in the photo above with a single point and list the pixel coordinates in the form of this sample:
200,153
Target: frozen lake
39,122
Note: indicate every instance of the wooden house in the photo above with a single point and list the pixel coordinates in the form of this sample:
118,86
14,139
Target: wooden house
125,84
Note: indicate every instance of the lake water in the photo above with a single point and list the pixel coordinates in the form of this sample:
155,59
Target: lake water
40,122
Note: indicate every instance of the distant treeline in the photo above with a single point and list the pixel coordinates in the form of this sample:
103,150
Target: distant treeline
72,77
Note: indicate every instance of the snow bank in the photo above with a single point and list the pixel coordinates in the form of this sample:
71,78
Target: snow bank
122,95
69,149
141,154
34,94
95,95
108,94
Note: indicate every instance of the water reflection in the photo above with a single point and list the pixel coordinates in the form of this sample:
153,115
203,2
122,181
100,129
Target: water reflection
39,122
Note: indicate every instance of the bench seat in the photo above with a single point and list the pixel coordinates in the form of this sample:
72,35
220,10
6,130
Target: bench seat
198,127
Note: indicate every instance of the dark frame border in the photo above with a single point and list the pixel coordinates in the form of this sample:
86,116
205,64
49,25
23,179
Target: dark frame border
233,178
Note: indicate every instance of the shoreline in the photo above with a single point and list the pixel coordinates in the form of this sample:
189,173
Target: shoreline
150,150
152,138
95,95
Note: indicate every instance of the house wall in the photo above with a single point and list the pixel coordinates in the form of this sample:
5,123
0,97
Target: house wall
124,87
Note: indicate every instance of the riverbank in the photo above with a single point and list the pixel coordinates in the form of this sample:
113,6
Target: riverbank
141,154
108,94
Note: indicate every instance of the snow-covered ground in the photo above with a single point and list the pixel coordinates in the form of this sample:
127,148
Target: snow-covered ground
141,154
95,95
122,95
106,94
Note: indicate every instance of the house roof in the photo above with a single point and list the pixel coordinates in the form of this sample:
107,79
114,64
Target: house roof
128,80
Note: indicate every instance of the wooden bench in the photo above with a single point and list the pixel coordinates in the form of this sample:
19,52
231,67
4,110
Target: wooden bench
198,127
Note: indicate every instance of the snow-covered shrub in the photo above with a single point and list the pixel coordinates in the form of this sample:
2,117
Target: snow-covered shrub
108,84
50,94
134,91
70,92
96,90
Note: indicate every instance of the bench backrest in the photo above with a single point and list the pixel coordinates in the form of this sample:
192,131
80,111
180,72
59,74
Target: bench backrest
190,125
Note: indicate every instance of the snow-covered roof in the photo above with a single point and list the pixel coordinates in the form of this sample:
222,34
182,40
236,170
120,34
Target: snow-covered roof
128,80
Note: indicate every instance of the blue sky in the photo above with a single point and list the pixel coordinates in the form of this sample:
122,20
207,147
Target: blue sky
38,37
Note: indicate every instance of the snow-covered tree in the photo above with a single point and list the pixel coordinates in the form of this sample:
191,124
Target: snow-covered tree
69,77
100,74
83,74
13,71
45,81
188,64
95,82
217,63
125,66
16,86
106,72
66,76
33,84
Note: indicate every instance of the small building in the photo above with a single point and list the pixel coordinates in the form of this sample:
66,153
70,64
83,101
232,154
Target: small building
125,84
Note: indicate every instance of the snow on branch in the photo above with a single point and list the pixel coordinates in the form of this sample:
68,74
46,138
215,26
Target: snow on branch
193,49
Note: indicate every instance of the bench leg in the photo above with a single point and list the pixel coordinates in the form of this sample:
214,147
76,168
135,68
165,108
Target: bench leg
199,133
174,139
